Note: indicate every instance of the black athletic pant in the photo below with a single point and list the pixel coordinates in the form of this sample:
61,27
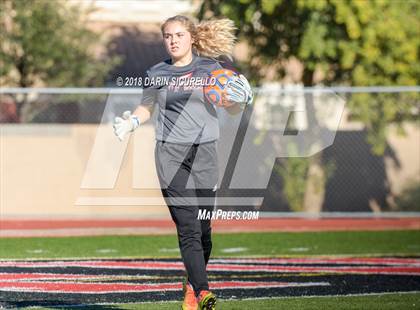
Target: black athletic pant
188,177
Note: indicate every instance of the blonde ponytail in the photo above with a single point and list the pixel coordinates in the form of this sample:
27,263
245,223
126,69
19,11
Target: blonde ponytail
215,37
211,38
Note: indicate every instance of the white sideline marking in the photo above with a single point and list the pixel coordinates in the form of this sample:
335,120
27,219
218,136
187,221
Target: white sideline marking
169,250
234,250
37,251
106,251
299,249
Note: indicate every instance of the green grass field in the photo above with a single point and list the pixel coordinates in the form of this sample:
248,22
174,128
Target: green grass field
373,302
382,243
254,244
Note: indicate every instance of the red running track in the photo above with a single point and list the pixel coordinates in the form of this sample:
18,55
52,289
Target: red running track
68,227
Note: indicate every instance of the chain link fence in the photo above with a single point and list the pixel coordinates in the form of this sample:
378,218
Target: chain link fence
347,176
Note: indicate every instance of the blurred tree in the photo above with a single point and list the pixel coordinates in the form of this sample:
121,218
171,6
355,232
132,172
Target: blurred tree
47,42
362,43
408,199
357,43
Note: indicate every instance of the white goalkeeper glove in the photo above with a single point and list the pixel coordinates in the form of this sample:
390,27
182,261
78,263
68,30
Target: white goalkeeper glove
239,90
126,124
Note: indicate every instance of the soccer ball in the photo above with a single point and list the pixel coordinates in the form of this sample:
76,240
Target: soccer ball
215,91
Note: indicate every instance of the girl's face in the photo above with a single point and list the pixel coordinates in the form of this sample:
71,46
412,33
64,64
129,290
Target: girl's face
178,41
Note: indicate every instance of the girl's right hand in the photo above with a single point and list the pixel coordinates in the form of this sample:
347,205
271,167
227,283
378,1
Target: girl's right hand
126,124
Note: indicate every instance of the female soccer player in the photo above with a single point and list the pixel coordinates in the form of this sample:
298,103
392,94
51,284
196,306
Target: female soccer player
186,135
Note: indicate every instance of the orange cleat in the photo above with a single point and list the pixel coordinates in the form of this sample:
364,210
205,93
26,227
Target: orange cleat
206,301
190,302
